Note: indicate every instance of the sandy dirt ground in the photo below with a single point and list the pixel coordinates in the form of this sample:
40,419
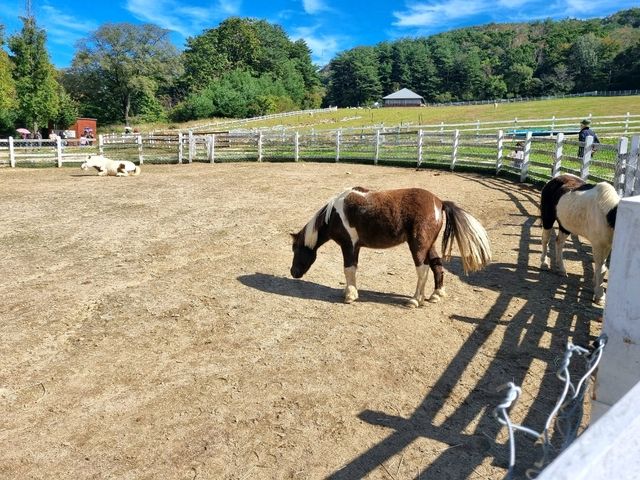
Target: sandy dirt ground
150,330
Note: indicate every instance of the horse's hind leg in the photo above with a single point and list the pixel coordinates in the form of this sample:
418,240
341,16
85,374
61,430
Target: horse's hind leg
418,298
435,262
599,256
560,239
546,236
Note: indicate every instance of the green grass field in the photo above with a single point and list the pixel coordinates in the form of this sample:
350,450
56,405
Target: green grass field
389,117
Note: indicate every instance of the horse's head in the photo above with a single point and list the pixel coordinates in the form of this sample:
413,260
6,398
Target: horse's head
303,256
92,161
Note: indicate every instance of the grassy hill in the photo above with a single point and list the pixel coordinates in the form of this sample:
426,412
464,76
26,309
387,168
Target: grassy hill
361,117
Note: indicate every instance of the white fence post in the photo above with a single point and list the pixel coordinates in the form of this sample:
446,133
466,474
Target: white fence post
296,151
59,150
619,369
586,157
631,177
12,153
524,169
420,137
377,154
557,155
100,144
553,123
454,151
338,146
191,146
180,147
259,146
211,148
621,165
500,151
140,156
626,123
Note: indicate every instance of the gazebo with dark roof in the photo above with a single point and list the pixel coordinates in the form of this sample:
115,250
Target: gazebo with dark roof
403,98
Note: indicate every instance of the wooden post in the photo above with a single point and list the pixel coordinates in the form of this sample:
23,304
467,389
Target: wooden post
586,158
59,150
500,151
621,165
557,155
377,154
101,144
211,148
553,123
259,146
338,146
140,156
524,170
420,135
180,147
454,151
296,150
12,153
191,146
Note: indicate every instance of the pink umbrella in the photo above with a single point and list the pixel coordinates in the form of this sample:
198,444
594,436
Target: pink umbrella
23,130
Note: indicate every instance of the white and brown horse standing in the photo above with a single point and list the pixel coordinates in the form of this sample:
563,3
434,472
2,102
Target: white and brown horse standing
380,219
585,210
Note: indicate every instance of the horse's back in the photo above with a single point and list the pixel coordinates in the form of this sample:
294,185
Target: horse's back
387,218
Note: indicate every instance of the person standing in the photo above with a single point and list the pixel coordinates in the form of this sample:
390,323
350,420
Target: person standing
585,131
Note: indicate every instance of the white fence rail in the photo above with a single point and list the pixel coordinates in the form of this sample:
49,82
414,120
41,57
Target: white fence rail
524,155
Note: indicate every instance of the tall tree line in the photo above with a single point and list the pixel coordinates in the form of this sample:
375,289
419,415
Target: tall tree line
494,61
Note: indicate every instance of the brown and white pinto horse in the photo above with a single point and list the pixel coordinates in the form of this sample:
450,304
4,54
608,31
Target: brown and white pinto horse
585,210
359,218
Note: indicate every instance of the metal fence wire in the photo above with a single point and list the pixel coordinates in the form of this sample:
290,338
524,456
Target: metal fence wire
567,414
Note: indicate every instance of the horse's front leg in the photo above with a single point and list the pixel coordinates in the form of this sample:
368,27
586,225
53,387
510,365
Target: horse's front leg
350,256
600,254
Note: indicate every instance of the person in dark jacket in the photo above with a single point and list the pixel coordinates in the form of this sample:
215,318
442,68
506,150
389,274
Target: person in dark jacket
585,131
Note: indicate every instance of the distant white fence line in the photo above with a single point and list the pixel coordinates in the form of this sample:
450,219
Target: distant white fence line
228,123
596,93
605,126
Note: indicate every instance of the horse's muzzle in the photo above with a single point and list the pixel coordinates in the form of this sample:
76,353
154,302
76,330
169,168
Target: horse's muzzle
295,273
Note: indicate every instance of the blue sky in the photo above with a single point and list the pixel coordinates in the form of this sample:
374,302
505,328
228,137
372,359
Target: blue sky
328,26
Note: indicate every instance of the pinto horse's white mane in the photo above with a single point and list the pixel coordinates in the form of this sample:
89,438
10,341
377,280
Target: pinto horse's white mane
337,202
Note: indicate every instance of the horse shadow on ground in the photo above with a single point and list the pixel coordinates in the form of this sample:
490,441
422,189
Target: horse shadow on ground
471,431
298,288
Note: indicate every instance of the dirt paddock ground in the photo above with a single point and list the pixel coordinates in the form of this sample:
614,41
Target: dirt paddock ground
150,330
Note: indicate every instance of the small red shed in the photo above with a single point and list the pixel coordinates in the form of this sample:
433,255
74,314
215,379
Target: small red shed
84,126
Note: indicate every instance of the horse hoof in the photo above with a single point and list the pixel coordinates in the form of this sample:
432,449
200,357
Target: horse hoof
437,296
350,295
413,303
544,266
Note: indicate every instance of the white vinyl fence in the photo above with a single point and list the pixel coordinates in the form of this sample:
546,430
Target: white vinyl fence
521,154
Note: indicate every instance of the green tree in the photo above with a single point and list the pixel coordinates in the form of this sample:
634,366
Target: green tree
34,75
8,103
120,68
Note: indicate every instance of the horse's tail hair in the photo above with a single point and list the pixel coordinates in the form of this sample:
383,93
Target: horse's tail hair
136,171
470,235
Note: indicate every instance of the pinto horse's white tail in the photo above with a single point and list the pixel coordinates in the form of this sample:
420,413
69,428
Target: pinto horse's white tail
470,236
136,171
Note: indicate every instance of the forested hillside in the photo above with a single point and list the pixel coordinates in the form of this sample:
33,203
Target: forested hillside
246,67
494,61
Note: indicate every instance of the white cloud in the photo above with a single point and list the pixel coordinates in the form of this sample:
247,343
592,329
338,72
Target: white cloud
323,47
62,28
180,17
433,14
313,6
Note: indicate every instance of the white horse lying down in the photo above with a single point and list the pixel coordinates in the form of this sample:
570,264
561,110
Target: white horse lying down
106,166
